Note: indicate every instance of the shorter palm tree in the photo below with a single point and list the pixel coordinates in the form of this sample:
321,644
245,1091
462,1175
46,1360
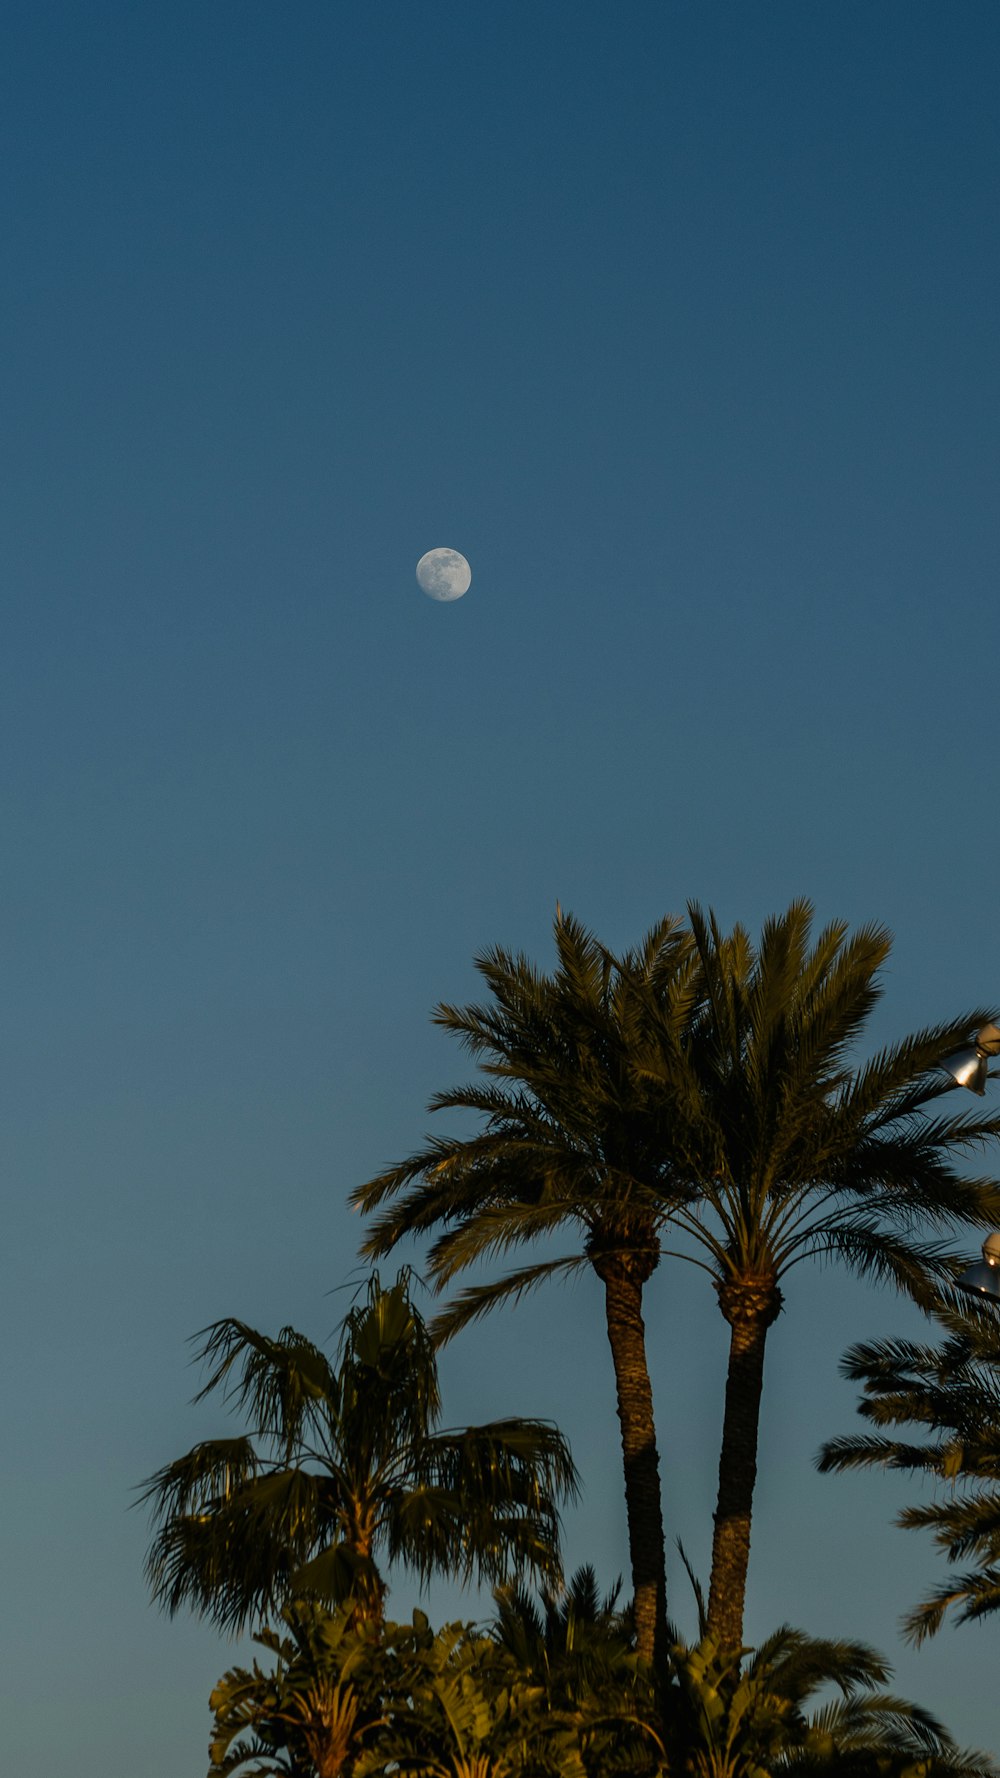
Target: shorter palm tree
316,1710
949,1394
344,1472
456,1713
567,1637
733,1718
577,1650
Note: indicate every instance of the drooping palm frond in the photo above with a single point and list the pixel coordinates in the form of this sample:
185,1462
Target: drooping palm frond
973,1595
798,1665
279,1383
479,1299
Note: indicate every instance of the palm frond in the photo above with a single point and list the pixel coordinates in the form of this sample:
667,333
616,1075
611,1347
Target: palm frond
976,1595
478,1299
280,1383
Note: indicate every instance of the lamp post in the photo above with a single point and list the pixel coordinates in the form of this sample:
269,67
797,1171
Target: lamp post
969,1067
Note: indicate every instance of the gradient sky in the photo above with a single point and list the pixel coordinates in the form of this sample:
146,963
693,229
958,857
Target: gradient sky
680,321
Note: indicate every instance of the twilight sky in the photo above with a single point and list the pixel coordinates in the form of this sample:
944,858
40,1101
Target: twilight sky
679,320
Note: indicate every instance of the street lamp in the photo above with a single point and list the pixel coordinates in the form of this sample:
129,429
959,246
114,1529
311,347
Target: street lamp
969,1067
983,1279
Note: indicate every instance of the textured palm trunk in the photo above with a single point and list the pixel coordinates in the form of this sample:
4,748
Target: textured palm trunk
369,1589
623,1276
750,1305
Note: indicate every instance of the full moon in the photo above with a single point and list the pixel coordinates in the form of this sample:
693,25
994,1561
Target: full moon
444,574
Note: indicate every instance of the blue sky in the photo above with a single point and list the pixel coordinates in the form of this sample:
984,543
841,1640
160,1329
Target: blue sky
680,322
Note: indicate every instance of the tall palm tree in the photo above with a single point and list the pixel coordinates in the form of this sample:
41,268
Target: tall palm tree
949,1394
344,1471
796,1152
572,1138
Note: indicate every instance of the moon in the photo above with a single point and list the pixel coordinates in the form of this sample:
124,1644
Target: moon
444,574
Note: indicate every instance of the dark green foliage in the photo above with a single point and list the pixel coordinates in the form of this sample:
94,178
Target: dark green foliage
949,1395
344,1471
573,1137
361,1699
578,1649
553,1692
790,1148
315,1709
732,1717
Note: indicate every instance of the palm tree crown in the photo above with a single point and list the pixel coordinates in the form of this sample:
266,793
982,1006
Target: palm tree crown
344,1471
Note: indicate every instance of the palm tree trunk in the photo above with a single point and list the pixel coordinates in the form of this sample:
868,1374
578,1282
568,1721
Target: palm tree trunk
623,1279
369,1589
750,1305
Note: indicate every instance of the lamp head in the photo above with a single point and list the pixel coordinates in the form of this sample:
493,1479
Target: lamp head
968,1066
983,1279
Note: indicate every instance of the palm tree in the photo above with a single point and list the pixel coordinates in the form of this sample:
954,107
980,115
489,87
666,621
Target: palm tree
573,1137
792,1152
568,1636
344,1471
576,1650
313,1713
950,1394
458,1711
727,1718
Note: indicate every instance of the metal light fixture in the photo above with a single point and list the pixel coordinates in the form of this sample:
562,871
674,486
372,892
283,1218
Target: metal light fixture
969,1066
983,1279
